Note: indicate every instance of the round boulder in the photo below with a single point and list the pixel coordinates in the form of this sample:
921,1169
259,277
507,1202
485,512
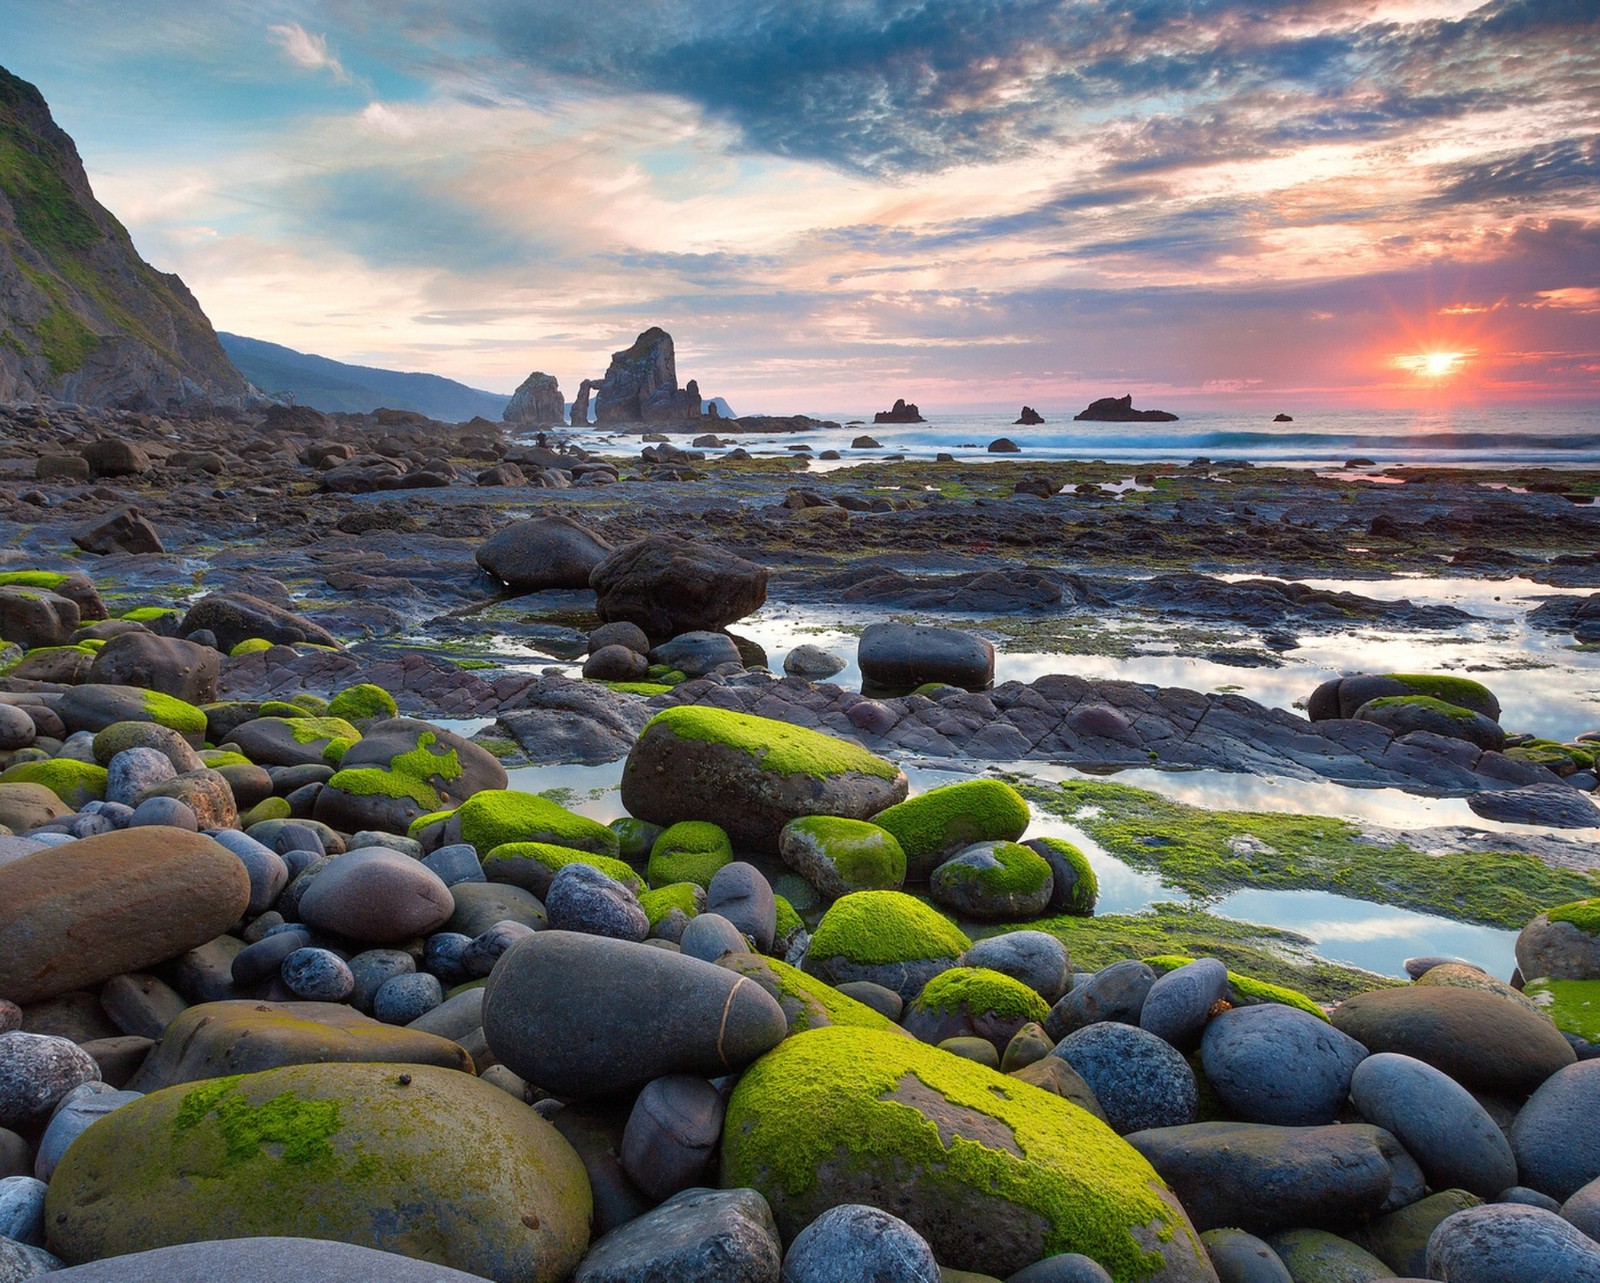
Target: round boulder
753,774
542,552
1562,943
1509,1243
854,1241
905,656
994,882
424,1161
887,937
1139,1080
376,895
1554,1137
840,856
1274,1064
668,585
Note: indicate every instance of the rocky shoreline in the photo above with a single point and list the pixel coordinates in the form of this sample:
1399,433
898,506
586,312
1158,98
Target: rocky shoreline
290,960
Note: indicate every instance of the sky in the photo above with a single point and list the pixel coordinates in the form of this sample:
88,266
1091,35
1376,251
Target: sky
1253,204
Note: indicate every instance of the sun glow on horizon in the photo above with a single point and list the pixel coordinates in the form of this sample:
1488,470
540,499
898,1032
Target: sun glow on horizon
1435,365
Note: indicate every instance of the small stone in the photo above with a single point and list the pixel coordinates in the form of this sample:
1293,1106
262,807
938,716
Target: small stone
857,1242
1036,958
405,998
671,1134
1180,1002
709,1236
582,898
741,893
708,936
36,1072
1139,1079
317,975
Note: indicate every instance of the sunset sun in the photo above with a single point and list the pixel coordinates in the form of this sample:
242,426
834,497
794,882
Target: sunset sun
1435,365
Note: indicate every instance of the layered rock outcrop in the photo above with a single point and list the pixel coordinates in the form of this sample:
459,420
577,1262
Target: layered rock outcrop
537,402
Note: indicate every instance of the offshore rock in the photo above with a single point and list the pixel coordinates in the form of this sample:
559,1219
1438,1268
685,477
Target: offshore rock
538,401
636,374
1119,409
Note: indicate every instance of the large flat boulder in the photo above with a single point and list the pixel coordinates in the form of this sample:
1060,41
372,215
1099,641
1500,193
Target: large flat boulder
668,585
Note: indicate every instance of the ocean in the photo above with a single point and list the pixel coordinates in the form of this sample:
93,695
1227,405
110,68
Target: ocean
1554,436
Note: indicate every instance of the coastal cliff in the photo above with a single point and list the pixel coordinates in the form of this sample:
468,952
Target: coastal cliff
82,316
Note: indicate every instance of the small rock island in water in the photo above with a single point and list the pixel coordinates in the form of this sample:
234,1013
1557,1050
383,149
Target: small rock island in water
903,412
1119,409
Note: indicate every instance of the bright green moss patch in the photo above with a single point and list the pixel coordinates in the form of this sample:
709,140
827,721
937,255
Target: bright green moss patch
943,820
493,817
362,702
49,580
1246,991
1574,1005
977,990
1426,702
215,757
877,1109
149,614
42,653
180,715
250,646
689,851
1564,759
424,821
1583,914
634,837
872,928
1463,692
1082,895
687,897
1016,871
808,1003
776,746
308,730
555,858
789,921
865,856
645,689
298,1130
409,777
72,781
1209,853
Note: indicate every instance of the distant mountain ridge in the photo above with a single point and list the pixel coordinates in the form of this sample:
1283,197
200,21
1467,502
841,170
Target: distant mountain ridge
333,386
82,316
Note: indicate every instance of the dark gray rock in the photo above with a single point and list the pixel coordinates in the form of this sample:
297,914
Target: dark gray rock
1114,993
1036,958
1583,1209
537,402
405,998
672,1133
620,633
710,1236
1315,1255
1264,1179
857,1242
904,656
317,975
811,661
616,664
22,1209
1239,1257
1554,1136
584,1016
708,936
668,585
698,653
1559,806
167,664
582,898
82,1106
1452,723
1560,950
1441,1124
377,895
371,969
480,905
1507,1243
264,1260
1140,1081
19,1261
1179,1003
1067,1267
1276,1064
233,617
741,893
541,553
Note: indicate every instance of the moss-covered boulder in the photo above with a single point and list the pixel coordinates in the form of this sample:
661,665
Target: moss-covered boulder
1562,943
838,856
74,585
688,851
93,708
493,817
807,1002
74,782
993,1172
216,1039
973,1002
363,702
1342,696
534,865
62,665
752,775
993,882
669,908
933,826
1074,887
888,937
400,769
295,741
1403,714
33,616
421,1161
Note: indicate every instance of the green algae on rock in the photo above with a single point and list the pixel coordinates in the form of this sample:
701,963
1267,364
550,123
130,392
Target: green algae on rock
935,825
1209,853
808,1003
993,1172
74,782
688,851
838,856
1574,1005
688,898
427,1162
751,774
979,989
494,817
362,702
888,937
993,881
1583,914
1075,888
534,865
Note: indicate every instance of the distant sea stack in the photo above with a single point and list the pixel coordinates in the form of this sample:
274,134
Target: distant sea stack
1119,409
902,413
537,403
1283,418
82,317
641,386
1029,417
